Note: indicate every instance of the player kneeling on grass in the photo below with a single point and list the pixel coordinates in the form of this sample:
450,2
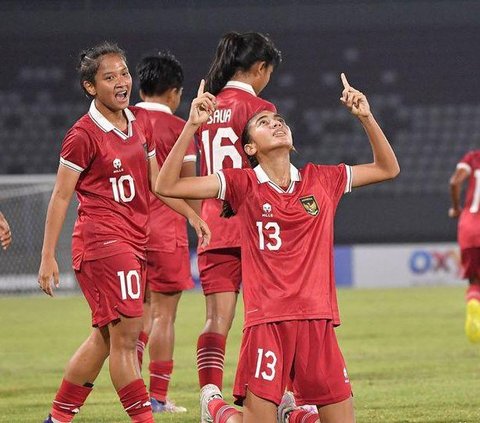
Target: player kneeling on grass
287,218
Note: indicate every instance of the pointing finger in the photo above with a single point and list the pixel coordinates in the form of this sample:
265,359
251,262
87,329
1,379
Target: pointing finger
344,81
201,88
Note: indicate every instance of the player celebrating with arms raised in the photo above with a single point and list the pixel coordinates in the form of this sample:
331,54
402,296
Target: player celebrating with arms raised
469,234
287,218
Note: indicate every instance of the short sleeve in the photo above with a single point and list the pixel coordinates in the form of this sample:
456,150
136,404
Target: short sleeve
148,131
78,150
191,154
466,162
234,186
336,180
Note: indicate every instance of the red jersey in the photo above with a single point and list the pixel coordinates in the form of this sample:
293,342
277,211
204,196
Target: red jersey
287,240
469,222
113,185
167,228
221,148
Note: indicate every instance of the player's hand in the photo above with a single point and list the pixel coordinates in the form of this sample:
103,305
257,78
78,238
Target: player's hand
202,106
5,232
354,100
202,230
47,274
454,213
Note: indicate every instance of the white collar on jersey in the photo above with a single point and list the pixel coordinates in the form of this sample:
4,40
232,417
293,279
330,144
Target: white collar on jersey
106,126
263,178
241,86
150,105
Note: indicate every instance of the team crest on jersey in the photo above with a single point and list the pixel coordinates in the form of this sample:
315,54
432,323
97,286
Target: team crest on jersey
117,166
310,205
267,210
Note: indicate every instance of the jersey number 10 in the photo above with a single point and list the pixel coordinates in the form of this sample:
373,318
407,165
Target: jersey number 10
118,187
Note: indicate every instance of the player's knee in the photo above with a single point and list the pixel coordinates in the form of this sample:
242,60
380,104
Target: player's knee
219,324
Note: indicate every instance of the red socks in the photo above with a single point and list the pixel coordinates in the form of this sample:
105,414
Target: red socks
136,402
69,399
221,411
473,292
141,344
302,416
160,372
210,358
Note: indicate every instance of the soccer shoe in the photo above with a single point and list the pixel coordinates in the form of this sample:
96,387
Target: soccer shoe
208,393
48,419
472,322
166,407
287,405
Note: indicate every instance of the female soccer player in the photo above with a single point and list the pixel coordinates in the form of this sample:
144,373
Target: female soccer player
240,70
5,232
168,257
287,218
469,234
108,158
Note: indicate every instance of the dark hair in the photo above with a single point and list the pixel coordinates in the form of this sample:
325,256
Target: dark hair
89,61
227,210
237,51
159,73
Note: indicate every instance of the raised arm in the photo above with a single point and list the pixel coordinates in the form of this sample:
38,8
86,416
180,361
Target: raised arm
57,210
385,165
456,182
169,182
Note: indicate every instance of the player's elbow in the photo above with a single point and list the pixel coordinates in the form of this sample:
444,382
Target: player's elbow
391,172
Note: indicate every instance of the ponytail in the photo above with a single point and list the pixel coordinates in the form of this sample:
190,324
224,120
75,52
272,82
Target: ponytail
237,51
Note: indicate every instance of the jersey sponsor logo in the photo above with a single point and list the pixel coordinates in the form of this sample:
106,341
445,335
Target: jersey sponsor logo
117,166
310,205
267,210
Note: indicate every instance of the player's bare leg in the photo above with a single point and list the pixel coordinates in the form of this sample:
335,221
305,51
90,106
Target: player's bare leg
86,363
124,369
256,409
123,355
162,341
220,311
340,412
80,373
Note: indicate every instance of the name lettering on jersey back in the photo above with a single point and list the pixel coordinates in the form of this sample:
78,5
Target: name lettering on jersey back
220,116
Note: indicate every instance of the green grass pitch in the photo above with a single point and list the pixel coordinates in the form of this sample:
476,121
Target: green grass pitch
406,353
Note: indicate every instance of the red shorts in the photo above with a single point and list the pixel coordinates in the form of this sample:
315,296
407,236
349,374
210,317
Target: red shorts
113,286
220,270
471,263
169,272
303,351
